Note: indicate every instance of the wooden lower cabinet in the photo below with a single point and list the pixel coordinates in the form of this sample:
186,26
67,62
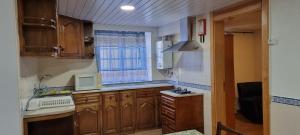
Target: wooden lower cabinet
158,111
128,111
146,113
181,113
87,120
111,115
88,114
115,113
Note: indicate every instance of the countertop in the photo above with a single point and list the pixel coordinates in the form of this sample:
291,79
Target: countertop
188,132
194,93
65,109
48,111
123,87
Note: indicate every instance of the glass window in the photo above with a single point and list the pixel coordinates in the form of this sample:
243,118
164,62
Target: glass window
121,56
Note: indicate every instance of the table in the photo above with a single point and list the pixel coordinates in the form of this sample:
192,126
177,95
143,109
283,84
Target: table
188,132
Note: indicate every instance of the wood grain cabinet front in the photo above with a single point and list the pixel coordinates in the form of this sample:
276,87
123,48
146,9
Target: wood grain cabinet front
181,113
70,37
146,113
88,119
128,111
111,115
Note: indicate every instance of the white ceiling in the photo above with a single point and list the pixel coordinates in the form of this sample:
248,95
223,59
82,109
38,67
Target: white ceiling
147,13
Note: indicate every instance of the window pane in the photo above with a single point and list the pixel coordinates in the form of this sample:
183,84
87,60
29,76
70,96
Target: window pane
121,56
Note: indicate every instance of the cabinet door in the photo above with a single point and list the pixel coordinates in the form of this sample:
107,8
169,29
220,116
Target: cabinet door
111,114
146,113
128,111
88,119
158,111
71,37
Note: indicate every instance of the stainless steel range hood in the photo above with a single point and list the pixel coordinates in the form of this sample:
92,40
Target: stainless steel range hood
186,37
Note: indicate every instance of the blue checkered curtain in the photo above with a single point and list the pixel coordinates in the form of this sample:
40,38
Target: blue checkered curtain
121,56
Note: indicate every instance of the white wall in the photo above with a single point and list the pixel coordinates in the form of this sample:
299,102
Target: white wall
285,65
62,70
169,29
28,77
10,114
247,57
193,67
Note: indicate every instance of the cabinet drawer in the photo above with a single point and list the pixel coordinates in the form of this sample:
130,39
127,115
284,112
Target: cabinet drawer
166,122
168,112
145,93
168,101
87,98
167,130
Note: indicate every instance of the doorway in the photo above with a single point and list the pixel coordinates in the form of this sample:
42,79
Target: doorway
240,28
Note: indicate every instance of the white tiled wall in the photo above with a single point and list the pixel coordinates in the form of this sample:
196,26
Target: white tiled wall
193,67
285,119
285,65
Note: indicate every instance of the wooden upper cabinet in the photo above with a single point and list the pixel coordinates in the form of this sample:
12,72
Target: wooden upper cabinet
146,112
37,27
71,41
111,115
128,111
88,119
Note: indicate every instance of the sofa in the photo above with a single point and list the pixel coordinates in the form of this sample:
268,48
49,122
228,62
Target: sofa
250,100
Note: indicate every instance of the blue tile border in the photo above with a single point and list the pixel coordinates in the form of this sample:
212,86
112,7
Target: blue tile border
285,100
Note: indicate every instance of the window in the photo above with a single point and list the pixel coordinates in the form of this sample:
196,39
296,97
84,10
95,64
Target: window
121,56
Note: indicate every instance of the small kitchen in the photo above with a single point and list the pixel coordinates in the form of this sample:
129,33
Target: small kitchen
87,70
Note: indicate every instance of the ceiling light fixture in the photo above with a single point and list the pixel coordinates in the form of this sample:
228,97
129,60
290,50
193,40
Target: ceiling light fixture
127,7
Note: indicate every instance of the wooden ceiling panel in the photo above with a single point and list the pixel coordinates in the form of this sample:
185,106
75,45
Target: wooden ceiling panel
151,13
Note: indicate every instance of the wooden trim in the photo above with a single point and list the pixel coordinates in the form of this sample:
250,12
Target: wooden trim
216,78
213,85
247,9
265,67
229,85
235,6
48,117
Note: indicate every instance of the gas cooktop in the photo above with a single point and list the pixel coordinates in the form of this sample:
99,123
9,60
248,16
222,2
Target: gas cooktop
180,91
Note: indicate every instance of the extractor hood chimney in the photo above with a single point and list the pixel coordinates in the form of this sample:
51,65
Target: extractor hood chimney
186,37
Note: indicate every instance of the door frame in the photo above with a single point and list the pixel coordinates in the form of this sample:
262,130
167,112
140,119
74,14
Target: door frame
217,64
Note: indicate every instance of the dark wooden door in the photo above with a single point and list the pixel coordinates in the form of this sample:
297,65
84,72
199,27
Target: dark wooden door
128,111
88,119
146,112
111,113
71,37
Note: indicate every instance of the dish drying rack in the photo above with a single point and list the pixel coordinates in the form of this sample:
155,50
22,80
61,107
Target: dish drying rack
49,102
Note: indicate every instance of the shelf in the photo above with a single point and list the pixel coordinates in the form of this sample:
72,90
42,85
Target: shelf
39,23
38,26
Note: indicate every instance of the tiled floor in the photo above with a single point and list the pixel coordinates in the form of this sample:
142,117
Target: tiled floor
149,132
242,125
246,127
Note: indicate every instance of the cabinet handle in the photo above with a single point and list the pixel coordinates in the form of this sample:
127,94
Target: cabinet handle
143,105
61,48
75,123
90,110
